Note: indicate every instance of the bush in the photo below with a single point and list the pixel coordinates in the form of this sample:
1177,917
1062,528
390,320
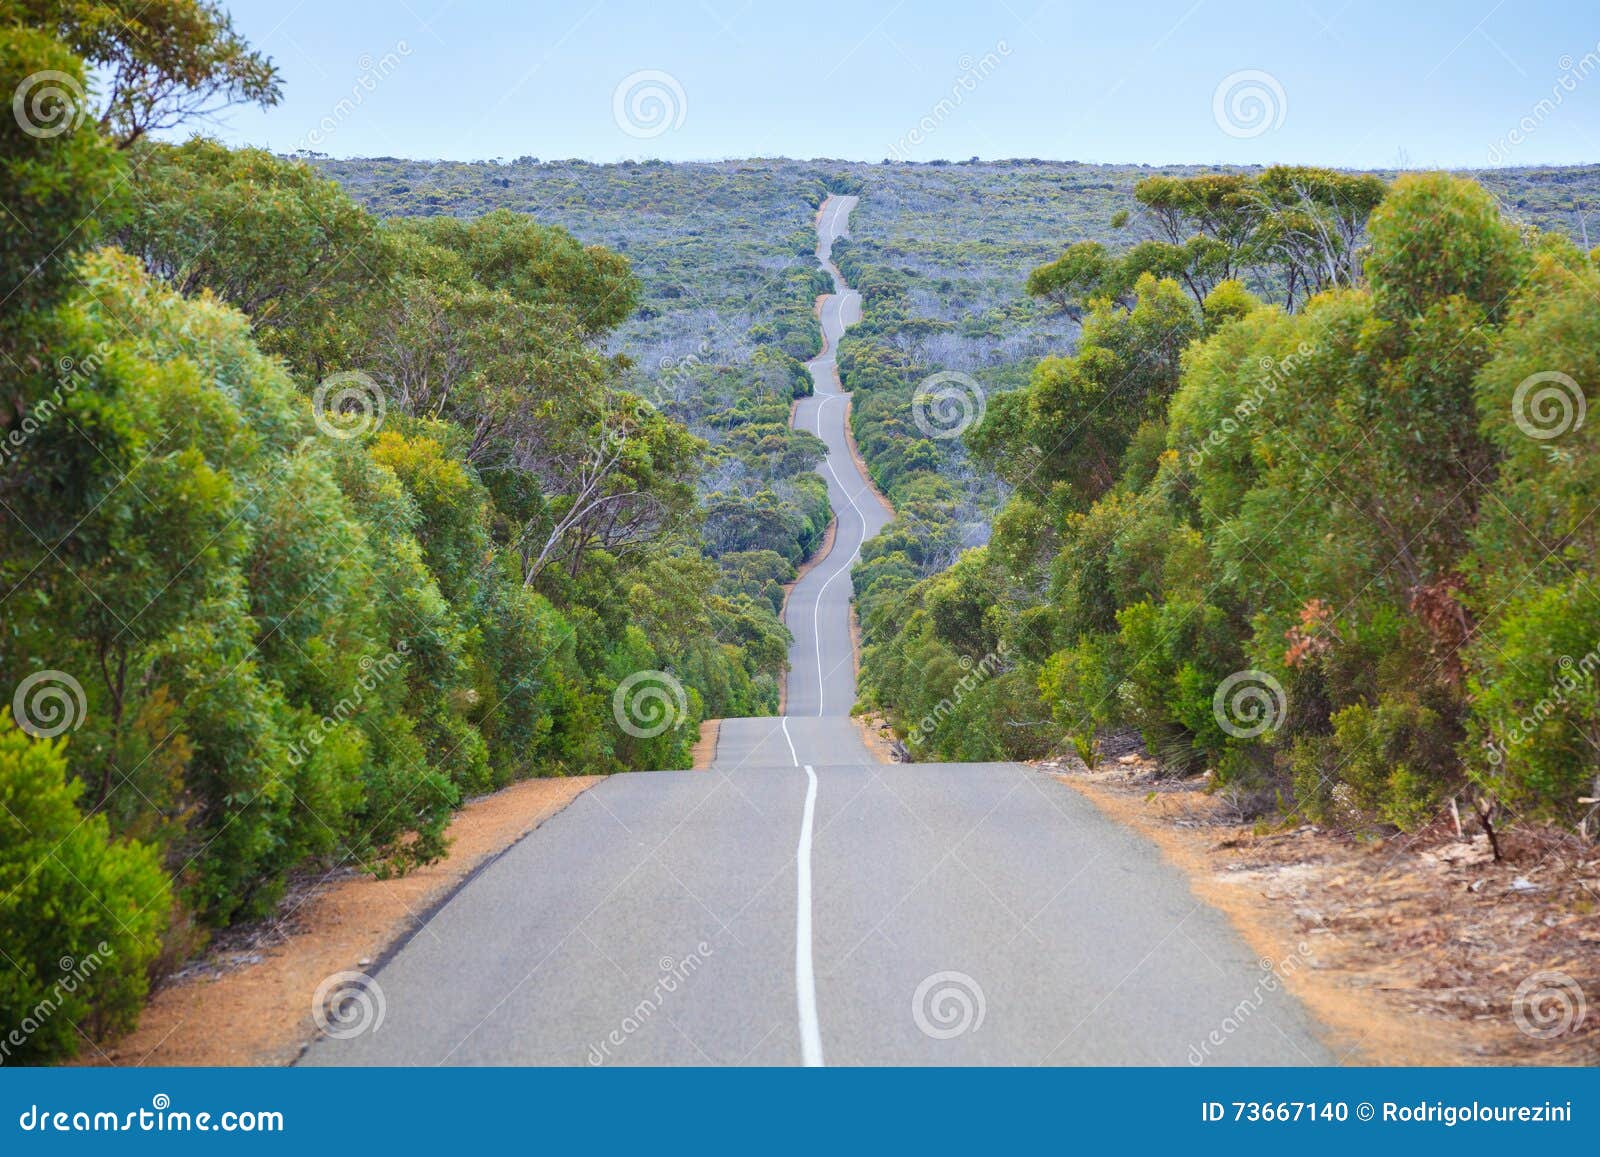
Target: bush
81,915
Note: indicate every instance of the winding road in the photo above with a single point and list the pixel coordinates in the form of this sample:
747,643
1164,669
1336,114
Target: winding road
822,675
800,903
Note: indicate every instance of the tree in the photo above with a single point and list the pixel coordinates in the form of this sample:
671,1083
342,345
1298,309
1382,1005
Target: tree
1313,223
537,265
165,62
1533,664
270,237
620,481
1296,225
52,181
1073,277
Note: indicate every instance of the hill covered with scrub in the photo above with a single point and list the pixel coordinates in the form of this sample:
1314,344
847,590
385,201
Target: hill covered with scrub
1080,370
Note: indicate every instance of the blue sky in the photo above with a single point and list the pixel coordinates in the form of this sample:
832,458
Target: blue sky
1361,84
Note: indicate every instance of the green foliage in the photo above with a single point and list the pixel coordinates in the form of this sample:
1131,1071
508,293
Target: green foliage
164,61
1532,665
1374,510
81,913
52,181
1074,276
537,264
301,643
267,236
1438,237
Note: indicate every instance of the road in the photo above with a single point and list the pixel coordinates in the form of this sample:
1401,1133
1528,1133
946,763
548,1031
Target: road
800,903
822,670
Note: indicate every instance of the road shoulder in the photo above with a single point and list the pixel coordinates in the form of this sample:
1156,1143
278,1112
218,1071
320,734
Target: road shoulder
1410,950
705,747
248,1002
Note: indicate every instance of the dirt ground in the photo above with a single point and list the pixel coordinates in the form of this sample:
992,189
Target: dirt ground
879,738
705,748
1421,948
248,1001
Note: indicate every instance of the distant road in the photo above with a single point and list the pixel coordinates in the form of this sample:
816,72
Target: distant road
822,675
801,904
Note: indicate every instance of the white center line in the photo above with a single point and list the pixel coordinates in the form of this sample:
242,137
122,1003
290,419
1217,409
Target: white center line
805,981
784,719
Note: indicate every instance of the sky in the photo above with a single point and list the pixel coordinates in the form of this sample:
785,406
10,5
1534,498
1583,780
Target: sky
1360,84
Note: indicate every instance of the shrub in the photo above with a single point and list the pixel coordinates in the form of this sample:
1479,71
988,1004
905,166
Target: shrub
81,915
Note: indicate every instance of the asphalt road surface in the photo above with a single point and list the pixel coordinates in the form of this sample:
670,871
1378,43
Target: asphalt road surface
822,669
800,903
